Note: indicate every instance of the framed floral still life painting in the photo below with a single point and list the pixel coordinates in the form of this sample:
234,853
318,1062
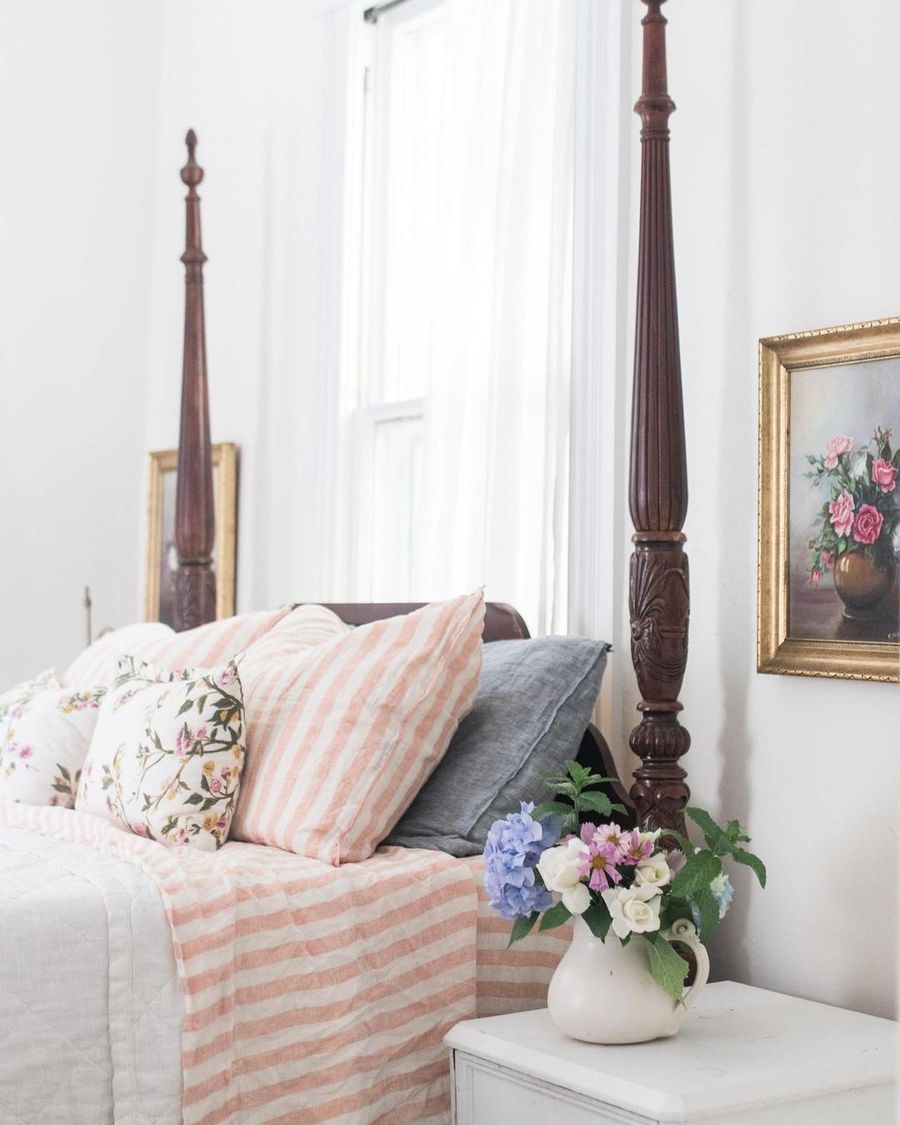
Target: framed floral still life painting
162,558
829,503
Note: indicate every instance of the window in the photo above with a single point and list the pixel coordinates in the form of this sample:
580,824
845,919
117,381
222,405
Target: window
460,334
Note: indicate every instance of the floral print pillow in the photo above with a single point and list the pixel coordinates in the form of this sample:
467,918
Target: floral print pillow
165,761
45,732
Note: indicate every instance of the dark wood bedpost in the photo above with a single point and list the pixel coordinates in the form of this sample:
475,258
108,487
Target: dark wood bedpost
658,493
195,594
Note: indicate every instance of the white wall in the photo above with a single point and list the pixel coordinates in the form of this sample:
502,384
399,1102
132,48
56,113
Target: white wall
785,181
77,136
263,86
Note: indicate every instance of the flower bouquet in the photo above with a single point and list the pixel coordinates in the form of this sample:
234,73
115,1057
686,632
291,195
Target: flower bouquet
546,864
862,512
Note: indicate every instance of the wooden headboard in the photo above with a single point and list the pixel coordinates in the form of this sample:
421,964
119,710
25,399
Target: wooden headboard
659,599
501,621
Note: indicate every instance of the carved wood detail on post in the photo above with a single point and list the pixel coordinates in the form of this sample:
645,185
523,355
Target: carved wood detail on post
195,591
658,493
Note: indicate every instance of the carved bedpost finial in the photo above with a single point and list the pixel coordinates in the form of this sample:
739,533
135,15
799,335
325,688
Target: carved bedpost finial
195,591
658,494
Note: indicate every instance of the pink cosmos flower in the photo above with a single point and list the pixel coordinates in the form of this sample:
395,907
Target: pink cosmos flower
836,448
215,785
827,559
841,511
598,861
609,834
633,849
884,475
867,525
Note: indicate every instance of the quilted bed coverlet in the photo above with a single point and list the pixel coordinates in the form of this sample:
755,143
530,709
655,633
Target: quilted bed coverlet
90,1003
310,993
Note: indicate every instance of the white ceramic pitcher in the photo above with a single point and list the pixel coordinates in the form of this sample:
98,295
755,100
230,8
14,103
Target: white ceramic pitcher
603,992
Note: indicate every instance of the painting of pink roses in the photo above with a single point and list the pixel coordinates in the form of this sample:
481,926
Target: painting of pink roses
830,502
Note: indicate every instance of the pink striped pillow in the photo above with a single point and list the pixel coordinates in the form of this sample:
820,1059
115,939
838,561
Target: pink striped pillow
209,646
343,736
296,632
96,666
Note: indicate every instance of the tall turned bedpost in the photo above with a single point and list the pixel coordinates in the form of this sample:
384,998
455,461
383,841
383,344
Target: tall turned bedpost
195,592
659,593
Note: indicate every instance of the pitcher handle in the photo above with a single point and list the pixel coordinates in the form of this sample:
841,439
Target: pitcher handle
686,932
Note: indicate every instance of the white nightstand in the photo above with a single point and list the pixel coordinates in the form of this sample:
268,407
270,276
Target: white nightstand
743,1057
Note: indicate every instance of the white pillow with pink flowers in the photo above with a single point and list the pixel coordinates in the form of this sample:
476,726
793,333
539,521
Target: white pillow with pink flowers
166,757
45,732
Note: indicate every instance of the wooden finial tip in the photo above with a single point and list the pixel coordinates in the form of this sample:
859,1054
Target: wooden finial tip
191,173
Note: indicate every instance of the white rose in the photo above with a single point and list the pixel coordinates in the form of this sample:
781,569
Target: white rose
576,899
652,837
559,866
634,910
653,872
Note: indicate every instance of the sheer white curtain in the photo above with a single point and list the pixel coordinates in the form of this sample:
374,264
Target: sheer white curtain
495,449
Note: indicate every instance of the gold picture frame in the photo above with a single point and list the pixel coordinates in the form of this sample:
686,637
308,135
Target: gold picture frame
807,381
163,471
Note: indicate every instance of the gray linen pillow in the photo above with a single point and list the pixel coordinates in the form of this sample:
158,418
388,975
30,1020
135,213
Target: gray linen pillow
533,706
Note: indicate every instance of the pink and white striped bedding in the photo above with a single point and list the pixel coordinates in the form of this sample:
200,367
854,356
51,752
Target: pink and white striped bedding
314,993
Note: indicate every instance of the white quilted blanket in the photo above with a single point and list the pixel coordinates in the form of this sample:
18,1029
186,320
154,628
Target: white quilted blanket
90,1018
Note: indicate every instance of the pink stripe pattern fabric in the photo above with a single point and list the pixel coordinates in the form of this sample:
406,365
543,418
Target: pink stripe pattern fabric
342,737
295,633
514,979
209,646
312,993
97,665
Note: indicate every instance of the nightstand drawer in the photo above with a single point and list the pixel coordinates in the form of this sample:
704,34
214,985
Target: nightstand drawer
487,1094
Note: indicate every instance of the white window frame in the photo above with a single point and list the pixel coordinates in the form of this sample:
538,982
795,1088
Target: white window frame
362,406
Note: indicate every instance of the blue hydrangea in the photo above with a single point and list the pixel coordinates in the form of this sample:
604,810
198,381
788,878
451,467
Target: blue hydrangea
514,846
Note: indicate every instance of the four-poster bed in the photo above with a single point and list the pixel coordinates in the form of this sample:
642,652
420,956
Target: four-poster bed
659,600
255,890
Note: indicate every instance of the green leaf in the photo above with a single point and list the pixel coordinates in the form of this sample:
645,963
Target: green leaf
668,969
735,832
748,859
674,908
683,842
565,789
555,916
194,799
593,802
717,839
709,911
186,706
551,808
578,773
598,919
698,872
522,927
